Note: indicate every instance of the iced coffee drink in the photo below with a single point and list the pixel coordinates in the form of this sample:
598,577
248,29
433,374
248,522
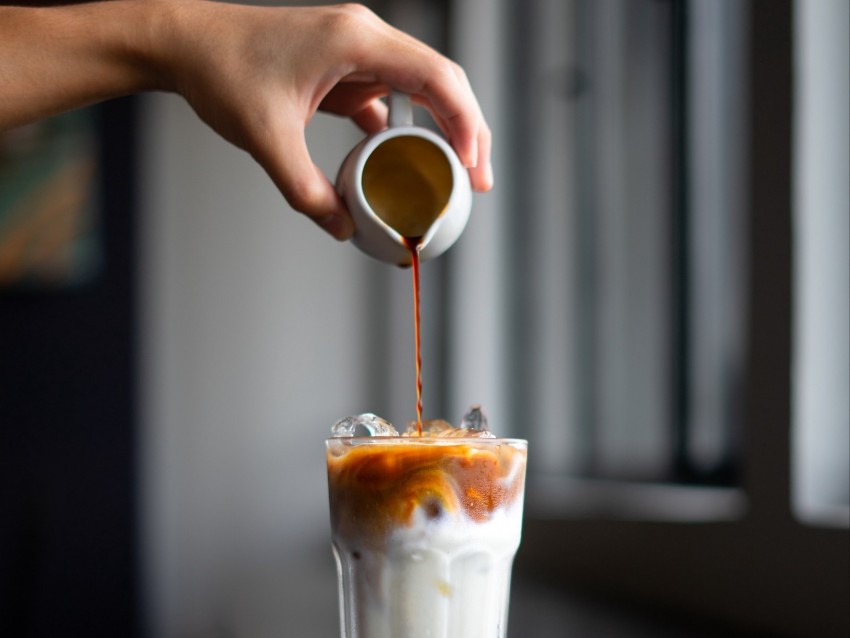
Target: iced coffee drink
424,527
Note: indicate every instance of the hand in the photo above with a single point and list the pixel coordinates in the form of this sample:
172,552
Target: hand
257,75
254,74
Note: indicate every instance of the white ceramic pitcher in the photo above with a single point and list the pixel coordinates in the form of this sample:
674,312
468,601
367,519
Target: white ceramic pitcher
405,181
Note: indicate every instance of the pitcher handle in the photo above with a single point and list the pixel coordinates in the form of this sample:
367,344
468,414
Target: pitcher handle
401,110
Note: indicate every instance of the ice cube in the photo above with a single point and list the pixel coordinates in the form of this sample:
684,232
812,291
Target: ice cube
474,419
437,428
465,433
430,427
362,425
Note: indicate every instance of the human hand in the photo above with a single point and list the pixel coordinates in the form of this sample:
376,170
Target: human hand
257,75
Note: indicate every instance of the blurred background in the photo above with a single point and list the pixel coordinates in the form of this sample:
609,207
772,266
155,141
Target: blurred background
655,294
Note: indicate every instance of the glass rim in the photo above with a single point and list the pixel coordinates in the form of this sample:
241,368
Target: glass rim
426,440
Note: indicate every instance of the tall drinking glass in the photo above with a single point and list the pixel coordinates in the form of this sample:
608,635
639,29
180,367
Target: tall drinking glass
424,532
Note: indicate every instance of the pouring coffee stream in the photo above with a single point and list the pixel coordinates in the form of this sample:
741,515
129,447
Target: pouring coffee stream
413,245
410,199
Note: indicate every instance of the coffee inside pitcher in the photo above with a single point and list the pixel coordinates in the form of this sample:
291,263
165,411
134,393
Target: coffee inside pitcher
407,181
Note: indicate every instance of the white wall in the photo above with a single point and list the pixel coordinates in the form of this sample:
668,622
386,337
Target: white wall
250,323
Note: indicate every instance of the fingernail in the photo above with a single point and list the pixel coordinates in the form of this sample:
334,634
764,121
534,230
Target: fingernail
472,157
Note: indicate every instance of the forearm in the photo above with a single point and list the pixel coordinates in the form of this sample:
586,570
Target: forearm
60,58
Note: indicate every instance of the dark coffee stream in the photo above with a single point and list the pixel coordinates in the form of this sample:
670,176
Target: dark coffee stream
413,244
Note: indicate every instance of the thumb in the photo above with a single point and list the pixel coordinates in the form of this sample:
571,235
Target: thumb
304,185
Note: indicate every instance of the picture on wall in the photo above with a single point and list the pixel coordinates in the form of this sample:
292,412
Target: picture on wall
49,210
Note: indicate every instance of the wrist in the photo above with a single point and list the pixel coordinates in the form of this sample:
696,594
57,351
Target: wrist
159,48
127,45
144,43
